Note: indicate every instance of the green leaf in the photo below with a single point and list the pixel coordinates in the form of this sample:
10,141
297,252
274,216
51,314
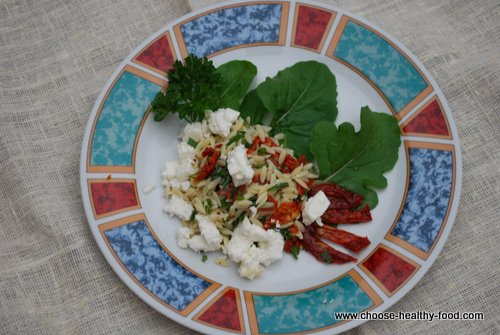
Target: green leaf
236,78
252,107
298,97
193,87
357,160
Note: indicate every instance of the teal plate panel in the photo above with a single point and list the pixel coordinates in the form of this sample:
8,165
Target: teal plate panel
119,120
380,62
309,310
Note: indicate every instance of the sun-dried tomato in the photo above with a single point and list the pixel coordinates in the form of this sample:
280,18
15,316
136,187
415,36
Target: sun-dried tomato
339,197
286,212
336,216
257,142
208,168
301,190
323,252
346,239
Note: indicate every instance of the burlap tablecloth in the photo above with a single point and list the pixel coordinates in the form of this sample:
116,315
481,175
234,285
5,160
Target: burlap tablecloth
56,55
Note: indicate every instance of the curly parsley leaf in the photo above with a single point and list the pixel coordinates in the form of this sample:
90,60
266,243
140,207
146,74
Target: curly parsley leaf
357,160
193,87
197,86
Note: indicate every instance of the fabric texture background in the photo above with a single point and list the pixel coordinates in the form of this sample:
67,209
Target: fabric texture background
55,57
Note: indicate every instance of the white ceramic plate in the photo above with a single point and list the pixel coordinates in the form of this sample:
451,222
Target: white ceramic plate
124,149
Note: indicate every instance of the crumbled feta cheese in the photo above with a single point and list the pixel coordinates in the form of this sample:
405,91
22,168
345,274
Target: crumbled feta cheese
198,244
315,207
253,259
179,185
185,151
179,207
238,166
169,170
196,130
250,267
209,231
220,121
182,235
185,169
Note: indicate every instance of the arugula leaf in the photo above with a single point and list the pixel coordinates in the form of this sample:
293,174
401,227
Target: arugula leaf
236,78
193,87
298,97
357,160
252,107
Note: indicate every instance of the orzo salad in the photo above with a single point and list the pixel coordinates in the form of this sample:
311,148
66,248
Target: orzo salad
251,191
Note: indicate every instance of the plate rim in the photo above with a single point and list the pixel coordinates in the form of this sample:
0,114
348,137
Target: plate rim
436,90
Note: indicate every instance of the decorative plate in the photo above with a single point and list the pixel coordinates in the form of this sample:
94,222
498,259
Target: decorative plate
123,152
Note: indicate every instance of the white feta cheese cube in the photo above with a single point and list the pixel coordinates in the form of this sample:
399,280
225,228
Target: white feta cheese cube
250,267
169,170
179,207
241,248
220,121
209,231
185,151
198,244
179,185
185,169
238,166
315,207
183,234
196,130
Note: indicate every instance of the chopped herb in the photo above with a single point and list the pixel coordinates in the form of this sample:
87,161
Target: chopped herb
327,258
295,250
239,135
286,234
223,173
240,197
224,204
204,258
259,166
237,221
193,215
261,151
193,143
277,187
246,143
208,206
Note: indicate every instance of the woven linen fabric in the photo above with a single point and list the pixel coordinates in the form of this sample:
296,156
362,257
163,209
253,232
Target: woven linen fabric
55,57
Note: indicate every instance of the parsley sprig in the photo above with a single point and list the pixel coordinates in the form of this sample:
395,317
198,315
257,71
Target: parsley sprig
193,88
